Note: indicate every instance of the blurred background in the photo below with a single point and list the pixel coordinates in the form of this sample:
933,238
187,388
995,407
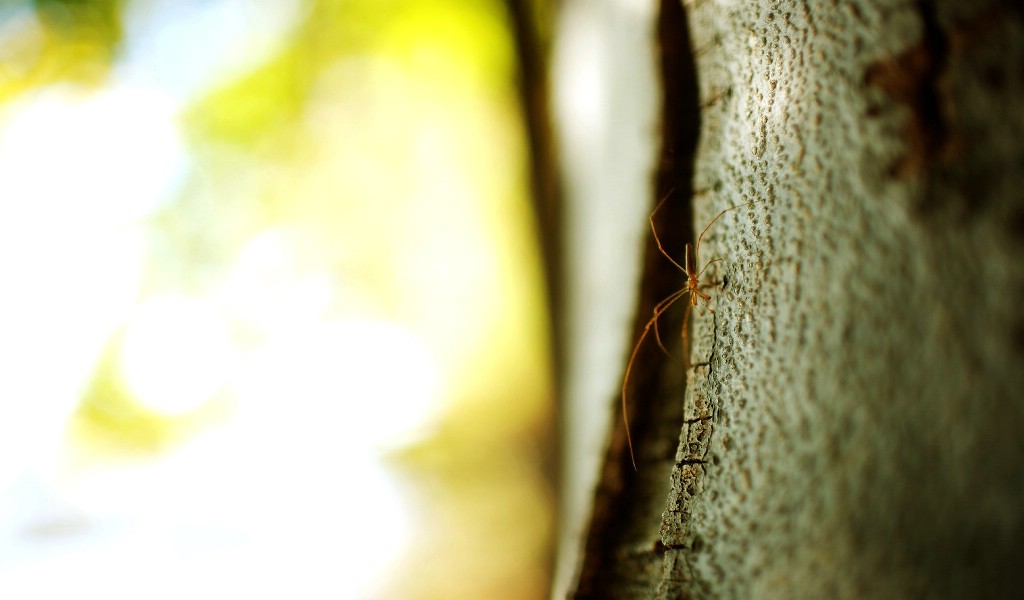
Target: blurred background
272,305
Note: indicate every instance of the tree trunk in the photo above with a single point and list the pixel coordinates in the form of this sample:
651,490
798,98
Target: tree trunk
853,423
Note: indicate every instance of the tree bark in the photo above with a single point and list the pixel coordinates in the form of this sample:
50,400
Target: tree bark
853,423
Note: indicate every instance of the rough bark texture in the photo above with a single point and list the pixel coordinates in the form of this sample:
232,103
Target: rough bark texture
854,424
854,416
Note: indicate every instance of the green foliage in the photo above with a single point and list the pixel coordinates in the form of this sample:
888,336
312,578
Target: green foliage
450,44
97,21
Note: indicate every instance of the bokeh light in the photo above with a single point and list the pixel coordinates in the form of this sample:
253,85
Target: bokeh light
271,318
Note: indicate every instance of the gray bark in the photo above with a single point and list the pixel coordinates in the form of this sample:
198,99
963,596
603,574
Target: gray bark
853,421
